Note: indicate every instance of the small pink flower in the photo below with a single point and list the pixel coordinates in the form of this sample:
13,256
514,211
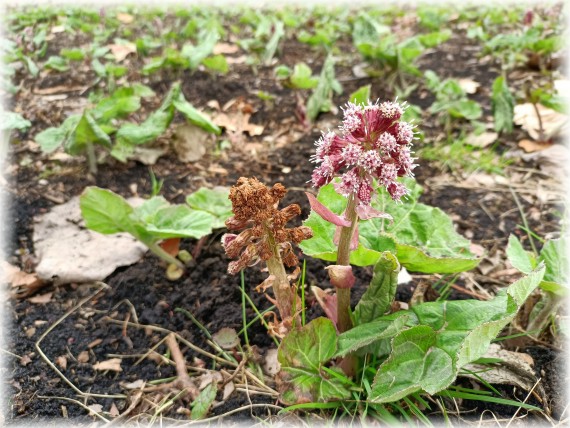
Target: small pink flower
370,161
386,142
351,154
349,183
404,133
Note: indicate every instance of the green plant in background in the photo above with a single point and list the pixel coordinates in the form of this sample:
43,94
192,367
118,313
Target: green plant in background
379,45
554,285
320,100
301,77
155,220
451,101
79,134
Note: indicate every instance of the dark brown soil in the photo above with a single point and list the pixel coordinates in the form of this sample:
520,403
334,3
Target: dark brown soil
207,291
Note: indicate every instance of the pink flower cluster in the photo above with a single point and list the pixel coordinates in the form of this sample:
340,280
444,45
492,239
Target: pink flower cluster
374,144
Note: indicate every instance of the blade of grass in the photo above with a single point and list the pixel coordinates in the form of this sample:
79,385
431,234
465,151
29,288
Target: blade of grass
303,319
243,310
244,295
477,397
416,411
525,222
305,406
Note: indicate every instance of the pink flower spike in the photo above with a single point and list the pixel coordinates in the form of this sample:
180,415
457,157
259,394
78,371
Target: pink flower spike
366,212
325,213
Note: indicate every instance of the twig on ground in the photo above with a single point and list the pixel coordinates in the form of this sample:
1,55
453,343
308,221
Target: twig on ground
183,379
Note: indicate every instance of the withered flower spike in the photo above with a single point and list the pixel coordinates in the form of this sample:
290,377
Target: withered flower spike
265,237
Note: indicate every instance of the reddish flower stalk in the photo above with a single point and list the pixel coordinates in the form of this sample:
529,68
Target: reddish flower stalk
374,145
264,238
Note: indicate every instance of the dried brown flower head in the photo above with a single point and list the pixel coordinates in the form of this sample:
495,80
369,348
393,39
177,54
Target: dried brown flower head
255,209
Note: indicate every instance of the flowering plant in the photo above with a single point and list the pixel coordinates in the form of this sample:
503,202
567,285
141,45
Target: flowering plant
364,175
374,145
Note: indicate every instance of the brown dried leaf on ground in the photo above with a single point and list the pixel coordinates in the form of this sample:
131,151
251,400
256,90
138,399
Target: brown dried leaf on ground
234,118
482,140
41,299
190,142
552,161
470,86
113,364
531,146
515,369
68,252
225,49
553,123
22,284
120,52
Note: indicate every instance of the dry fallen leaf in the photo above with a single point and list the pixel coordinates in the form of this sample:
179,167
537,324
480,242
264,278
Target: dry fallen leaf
69,252
137,384
469,85
228,389
120,52
552,161
41,299
23,284
242,59
225,49
190,142
553,123
530,146
25,360
95,408
482,140
61,361
113,411
148,155
83,357
271,364
114,364
514,369
125,18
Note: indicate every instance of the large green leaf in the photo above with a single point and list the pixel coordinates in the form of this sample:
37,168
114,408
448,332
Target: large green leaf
445,336
379,295
503,105
179,221
554,255
10,120
213,201
422,237
105,211
194,116
521,259
86,132
52,138
130,134
115,106
302,77
360,337
303,354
